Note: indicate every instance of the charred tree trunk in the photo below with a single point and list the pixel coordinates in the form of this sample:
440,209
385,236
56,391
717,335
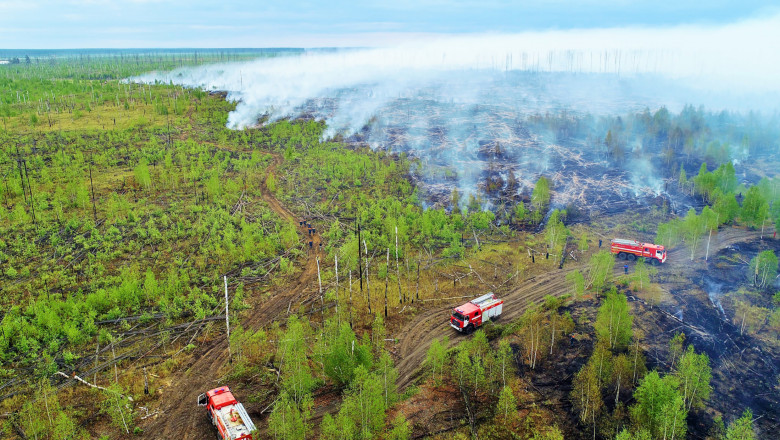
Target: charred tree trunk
29,188
360,268
387,275
417,292
368,286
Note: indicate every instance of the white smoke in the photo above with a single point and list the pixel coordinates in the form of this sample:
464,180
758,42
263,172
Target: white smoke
475,87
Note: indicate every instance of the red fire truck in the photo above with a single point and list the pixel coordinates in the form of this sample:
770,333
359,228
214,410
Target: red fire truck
474,313
229,416
632,249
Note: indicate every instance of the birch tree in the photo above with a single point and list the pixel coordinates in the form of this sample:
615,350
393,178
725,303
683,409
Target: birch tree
401,429
288,421
763,268
676,348
388,375
555,232
742,428
507,403
532,329
296,374
540,199
613,321
586,394
600,270
659,407
577,281
693,230
694,373
364,404
711,222
504,360
435,358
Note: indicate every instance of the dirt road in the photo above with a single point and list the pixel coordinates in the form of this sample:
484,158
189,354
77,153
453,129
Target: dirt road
179,418
431,324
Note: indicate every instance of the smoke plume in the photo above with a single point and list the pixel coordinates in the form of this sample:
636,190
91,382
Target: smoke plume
465,103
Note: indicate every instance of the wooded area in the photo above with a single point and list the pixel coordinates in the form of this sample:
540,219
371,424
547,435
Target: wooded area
123,206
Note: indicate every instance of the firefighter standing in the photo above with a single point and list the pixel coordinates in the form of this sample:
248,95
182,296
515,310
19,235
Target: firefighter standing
625,268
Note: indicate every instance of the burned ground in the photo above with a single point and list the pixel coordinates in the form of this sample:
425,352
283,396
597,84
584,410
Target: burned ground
745,369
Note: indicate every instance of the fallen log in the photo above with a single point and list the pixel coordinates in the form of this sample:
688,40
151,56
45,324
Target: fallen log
75,377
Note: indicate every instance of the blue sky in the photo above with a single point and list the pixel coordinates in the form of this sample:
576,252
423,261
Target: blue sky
27,24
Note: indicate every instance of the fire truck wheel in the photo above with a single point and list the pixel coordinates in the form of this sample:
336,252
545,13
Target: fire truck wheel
469,329
631,257
622,255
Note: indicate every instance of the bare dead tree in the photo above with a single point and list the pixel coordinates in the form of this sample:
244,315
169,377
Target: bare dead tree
92,187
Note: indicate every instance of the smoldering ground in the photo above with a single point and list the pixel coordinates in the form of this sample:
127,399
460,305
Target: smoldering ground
443,100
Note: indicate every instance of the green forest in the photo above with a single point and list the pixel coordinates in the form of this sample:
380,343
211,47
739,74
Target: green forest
129,212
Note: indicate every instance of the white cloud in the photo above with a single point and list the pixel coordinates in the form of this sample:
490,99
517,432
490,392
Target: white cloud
16,5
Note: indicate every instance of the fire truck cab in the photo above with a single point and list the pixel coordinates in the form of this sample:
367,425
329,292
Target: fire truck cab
227,414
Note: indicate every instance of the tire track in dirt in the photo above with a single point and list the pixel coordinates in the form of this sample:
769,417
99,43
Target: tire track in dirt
418,334
680,256
180,418
432,324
